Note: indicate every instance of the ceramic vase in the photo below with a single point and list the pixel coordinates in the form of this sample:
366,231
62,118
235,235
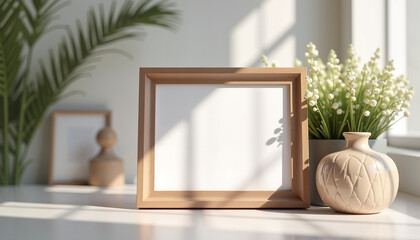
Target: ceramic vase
357,179
319,148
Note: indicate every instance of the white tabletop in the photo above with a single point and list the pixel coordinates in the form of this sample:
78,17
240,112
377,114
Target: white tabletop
83,212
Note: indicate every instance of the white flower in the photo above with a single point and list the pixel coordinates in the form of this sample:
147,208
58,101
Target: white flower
400,91
329,83
265,60
308,94
388,93
387,112
381,83
330,65
383,105
350,78
366,113
373,103
312,103
351,51
409,97
370,88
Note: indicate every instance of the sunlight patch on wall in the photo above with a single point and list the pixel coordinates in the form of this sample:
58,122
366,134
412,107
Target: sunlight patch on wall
268,29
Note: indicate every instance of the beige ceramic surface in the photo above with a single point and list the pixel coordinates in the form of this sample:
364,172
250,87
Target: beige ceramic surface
357,179
319,148
106,169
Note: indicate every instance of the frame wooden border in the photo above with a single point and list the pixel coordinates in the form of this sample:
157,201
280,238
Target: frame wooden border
106,114
297,197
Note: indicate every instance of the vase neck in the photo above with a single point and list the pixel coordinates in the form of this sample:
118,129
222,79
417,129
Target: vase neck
357,140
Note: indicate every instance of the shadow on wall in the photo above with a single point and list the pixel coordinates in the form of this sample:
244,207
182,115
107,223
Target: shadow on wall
313,21
203,38
318,22
209,32
237,32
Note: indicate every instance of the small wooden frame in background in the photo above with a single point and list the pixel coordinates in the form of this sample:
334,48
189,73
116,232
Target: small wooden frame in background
73,144
215,137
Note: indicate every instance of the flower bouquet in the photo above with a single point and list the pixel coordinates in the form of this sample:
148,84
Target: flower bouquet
349,98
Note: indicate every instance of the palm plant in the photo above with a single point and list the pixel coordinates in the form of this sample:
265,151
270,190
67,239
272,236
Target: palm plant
25,97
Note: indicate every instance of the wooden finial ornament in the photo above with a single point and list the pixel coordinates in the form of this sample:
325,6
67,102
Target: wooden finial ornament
106,169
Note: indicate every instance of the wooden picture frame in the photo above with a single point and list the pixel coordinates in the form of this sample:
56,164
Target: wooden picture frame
73,144
153,84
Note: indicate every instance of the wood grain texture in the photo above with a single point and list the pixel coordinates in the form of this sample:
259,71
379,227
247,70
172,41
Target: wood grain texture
294,78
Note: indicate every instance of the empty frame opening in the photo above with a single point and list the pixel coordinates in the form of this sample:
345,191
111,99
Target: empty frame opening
222,138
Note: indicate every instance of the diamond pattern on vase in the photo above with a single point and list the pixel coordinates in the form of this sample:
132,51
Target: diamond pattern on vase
357,179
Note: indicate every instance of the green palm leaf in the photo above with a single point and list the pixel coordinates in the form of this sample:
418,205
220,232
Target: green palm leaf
38,15
11,45
75,52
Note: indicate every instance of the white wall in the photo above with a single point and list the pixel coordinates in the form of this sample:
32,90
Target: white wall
368,28
404,48
413,64
213,33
